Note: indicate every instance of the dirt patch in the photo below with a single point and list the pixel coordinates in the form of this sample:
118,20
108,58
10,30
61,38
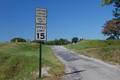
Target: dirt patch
117,54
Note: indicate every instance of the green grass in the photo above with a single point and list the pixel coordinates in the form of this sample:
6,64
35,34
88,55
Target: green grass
113,48
18,60
107,50
93,44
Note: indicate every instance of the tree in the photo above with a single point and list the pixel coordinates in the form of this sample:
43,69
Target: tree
45,42
49,43
64,41
106,2
117,4
56,42
67,42
81,39
74,39
111,38
112,28
115,12
18,40
61,41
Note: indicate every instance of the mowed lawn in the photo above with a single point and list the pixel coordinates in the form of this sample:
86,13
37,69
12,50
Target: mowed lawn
21,61
106,50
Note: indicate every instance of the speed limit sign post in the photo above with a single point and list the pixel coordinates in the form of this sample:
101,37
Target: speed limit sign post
40,30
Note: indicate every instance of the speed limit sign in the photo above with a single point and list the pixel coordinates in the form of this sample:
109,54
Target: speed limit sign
40,32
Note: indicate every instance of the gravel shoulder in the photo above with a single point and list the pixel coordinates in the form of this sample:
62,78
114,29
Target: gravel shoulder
79,67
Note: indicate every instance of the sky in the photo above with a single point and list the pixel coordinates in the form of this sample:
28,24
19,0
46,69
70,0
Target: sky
65,19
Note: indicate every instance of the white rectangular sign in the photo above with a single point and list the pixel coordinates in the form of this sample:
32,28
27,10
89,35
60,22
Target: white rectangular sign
40,32
41,16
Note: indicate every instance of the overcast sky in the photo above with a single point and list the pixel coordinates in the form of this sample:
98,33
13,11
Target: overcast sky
65,19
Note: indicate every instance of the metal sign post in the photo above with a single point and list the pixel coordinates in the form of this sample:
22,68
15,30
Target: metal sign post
40,60
40,30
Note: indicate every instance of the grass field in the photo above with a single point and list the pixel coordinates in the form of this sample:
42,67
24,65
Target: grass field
18,60
106,50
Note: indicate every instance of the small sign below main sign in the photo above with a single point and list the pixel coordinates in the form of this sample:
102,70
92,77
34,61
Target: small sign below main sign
41,16
40,32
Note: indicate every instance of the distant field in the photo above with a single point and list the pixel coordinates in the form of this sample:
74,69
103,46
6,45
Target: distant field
106,50
18,60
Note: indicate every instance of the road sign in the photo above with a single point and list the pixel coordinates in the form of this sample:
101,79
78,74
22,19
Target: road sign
41,16
40,32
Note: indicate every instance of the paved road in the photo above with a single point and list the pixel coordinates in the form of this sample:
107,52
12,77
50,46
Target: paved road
78,67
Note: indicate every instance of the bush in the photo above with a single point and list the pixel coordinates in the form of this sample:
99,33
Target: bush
18,40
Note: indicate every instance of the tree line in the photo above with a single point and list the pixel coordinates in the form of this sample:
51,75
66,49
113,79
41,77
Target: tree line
55,42
60,41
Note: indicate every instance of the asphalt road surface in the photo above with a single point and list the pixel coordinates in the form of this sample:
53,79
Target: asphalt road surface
79,67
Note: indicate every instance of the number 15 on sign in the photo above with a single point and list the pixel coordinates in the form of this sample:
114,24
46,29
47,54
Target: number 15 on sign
40,32
40,35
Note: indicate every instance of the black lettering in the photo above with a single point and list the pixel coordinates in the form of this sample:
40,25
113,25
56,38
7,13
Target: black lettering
42,34
37,35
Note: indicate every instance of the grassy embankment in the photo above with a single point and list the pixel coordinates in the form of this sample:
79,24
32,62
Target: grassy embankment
18,60
106,50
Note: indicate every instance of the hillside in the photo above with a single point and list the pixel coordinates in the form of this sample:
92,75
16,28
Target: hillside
18,60
106,50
